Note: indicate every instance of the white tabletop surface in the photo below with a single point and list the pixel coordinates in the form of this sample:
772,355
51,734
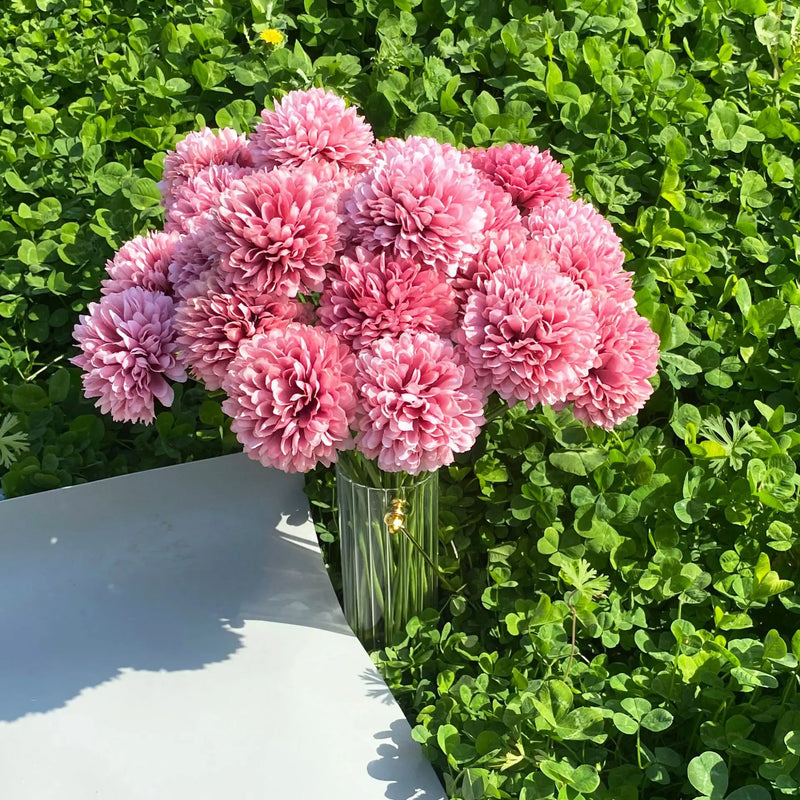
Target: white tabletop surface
173,635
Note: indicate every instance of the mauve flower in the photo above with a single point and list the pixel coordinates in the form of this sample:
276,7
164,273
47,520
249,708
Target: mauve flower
420,200
276,232
312,125
530,334
617,385
212,322
291,396
195,257
371,296
143,261
418,404
531,177
128,353
201,149
193,198
584,246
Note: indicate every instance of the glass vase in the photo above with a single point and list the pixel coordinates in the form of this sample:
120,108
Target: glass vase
389,536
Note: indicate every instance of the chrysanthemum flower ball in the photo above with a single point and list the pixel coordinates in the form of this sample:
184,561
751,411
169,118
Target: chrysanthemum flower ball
143,261
530,334
501,213
312,124
418,405
199,150
617,385
195,256
212,323
276,232
371,296
420,200
291,396
584,246
193,198
127,343
531,177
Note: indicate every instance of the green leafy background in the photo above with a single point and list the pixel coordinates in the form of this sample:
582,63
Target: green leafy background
669,546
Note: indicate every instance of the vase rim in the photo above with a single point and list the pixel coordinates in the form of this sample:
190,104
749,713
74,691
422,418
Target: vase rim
412,481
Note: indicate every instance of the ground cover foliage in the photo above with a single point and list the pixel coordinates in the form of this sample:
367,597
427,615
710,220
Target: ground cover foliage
627,622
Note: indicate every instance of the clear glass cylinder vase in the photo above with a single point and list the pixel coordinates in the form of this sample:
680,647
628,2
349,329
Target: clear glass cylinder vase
389,537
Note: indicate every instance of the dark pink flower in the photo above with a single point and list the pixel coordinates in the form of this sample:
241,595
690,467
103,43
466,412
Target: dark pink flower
195,256
531,177
420,200
143,261
617,385
211,324
291,396
530,334
201,149
312,125
418,405
276,232
371,296
128,353
198,195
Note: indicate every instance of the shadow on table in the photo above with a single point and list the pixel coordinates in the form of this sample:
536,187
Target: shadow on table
166,593
396,752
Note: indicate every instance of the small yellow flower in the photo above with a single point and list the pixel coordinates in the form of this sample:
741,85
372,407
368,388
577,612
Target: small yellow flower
271,36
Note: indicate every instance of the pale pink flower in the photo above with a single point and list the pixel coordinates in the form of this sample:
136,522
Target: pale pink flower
211,324
617,385
371,296
193,198
143,261
531,177
291,396
128,353
584,246
418,404
201,149
312,125
195,256
420,200
276,232
530,334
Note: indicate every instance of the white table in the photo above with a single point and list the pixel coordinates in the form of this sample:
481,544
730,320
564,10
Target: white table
173,635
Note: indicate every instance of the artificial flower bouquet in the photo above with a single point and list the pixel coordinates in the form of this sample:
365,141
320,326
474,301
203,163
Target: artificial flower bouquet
372,303
347,293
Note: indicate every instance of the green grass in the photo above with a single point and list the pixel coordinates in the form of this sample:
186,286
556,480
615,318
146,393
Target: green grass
670,545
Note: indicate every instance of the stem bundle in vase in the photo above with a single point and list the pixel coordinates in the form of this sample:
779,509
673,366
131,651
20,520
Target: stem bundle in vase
363,297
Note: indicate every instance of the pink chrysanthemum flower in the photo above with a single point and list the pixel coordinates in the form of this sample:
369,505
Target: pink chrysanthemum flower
371,296
143,261
212,323
193,198
201,149
506,247
531,177
291,396
584,246
312,125
501,213
128,353
195,257
420,200
276,232
617,385
418,405
530,334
